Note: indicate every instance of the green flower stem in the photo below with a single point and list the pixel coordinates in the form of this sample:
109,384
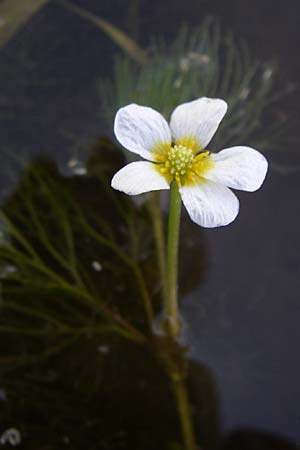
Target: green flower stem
185,415
171,303
172,316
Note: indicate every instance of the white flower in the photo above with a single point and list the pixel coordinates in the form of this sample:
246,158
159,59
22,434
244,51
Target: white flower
176,153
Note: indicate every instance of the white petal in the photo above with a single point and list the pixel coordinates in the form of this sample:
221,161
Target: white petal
140,129
198,119
139,177
210,204
239,167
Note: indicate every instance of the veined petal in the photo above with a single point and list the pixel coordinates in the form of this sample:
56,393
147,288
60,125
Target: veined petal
238,167
139,177
197,120
141,129
210,204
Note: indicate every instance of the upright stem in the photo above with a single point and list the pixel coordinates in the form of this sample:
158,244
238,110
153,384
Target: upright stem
172,316
185,415
171,302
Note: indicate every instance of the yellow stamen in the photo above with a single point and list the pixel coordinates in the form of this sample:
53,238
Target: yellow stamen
181,163
189,142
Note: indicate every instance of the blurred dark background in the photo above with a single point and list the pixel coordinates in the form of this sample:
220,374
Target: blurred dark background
244,317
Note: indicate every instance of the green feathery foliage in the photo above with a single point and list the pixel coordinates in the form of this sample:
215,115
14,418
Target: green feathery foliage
206,61
62,263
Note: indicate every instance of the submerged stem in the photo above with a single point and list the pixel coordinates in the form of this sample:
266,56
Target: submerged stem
185,415
172,316
144,293
171,302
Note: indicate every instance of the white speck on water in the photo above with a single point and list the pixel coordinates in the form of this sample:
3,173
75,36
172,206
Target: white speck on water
177,83
267,73
184,64
193,59
77,167
199,58
104,349
11,436
97,266
244,93
7,270
66,440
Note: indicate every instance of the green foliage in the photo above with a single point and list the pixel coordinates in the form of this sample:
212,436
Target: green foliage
67,271
78,261
208,62
67,325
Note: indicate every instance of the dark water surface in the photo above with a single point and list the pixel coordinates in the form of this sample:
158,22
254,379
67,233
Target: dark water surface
243,311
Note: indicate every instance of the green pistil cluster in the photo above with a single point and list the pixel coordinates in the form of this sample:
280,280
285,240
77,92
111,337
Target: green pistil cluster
179,160
182,164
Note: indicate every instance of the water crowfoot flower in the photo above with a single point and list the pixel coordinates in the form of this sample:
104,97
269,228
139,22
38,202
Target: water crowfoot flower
177,160
176,153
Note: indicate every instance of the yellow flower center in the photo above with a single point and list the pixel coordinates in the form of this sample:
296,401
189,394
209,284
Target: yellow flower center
180,162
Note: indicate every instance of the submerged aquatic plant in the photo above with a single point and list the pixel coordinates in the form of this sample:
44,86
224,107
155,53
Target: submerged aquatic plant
64,295
84,286
204,61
